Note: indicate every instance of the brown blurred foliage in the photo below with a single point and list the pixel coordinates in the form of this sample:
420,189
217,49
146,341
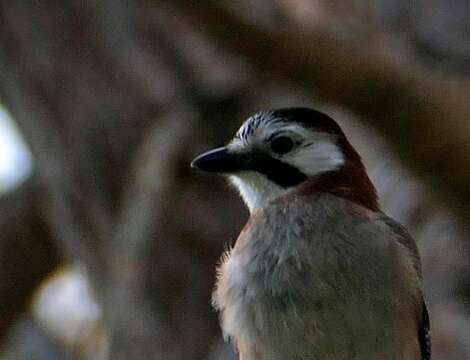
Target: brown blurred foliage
114,98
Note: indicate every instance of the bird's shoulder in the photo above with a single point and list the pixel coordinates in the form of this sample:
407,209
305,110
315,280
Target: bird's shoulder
403,238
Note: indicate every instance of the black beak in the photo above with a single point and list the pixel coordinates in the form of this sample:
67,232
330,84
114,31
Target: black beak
221,160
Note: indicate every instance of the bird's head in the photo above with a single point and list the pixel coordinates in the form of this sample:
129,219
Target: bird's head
290,149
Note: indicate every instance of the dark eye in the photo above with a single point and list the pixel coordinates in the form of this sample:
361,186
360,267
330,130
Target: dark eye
282,145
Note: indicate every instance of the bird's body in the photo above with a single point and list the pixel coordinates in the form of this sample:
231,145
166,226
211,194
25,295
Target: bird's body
298,285
318,272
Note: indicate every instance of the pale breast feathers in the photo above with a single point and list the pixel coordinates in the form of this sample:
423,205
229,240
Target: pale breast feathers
320,281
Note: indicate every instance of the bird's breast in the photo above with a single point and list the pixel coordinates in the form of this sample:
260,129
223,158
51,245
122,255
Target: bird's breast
303,284
268,283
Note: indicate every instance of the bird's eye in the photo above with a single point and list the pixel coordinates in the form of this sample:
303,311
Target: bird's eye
282,145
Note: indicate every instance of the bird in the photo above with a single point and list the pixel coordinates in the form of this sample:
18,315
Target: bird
319,271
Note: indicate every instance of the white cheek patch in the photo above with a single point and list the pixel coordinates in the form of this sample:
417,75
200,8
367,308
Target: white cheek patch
256,189
320,155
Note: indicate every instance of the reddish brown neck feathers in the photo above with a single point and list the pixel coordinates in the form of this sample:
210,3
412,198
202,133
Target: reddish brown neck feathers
350,182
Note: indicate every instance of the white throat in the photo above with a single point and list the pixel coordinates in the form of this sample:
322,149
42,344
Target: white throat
256,190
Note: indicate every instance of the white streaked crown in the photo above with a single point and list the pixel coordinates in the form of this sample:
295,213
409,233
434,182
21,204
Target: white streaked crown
314,153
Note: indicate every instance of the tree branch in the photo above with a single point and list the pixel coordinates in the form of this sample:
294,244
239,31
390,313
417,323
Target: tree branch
27,253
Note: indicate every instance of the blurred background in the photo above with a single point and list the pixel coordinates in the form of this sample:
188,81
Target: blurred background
108,241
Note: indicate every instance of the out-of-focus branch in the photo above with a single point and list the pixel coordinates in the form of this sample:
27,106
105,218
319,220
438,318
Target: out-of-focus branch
96,145
27,253
144,206
424,116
